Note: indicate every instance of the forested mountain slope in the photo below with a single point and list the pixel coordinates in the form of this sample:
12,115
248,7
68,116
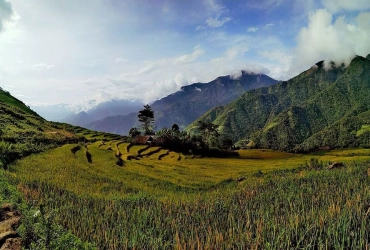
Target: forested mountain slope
319,107
188,104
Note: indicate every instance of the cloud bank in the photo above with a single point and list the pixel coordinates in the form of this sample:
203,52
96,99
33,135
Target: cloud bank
6,13
335,6
332,40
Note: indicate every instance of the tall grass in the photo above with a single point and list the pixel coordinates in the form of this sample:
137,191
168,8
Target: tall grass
316,209
319,210
38,229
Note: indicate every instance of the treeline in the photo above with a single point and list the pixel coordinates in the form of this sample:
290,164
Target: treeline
205,142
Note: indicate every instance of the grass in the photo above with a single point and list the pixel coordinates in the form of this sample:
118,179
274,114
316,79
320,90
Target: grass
364,128
197,203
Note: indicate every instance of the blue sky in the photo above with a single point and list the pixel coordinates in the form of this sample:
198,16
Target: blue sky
85,52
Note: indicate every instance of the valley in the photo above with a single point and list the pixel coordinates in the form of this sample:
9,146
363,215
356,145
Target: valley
83,189
184,125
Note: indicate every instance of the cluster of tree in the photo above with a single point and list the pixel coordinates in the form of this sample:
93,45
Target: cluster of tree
206,142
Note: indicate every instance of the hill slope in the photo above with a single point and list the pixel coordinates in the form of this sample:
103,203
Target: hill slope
189,103
22,131
303,113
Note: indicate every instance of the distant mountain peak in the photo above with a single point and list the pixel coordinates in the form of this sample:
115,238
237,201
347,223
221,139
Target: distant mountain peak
190,102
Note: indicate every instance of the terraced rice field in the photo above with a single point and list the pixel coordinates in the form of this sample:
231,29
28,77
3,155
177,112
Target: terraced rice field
140,197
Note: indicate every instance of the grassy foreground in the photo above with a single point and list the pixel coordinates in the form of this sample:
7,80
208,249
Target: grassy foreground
160,200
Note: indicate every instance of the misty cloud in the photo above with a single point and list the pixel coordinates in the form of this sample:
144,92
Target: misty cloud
335,40
120,82
267,26
6,13
190,57
335,6
42,66
216,22
181,80
91,82
252,29
120,60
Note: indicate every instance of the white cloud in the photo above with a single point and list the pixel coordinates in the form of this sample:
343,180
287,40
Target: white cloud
216,22
236,50
233,52
181,80
265,4
91,81
166,77
328,39
147,69
214,7
7,14
335,6
190,57
236,74
120,60
267,26
283,61
252,29
42,66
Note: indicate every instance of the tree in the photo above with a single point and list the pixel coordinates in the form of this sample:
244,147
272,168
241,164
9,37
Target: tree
175,127
208,130
146,117
133,132
2,130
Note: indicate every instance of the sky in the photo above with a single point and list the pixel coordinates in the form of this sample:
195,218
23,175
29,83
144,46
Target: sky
85,52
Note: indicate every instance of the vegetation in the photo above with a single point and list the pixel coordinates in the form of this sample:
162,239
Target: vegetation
117,195
199,203
38,230
133,132
22,133
189,103
146,117
208,131
314,109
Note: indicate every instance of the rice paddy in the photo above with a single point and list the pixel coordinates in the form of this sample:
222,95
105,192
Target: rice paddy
159,199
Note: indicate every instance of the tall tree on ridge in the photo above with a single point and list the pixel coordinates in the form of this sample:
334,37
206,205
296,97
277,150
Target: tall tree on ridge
146,117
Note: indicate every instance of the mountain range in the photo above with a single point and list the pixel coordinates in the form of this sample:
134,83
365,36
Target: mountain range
187,104
103,110
318,108
64,113
53,112
324,106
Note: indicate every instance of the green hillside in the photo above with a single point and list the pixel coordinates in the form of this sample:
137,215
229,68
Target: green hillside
317,108
23,132
141,197
7,98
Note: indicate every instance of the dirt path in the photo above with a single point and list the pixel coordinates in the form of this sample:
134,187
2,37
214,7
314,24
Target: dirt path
9,221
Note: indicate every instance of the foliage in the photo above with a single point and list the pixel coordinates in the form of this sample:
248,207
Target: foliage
146,117
188,104
181,141
175,127
208,131
38,230
317,108
134,132
196,203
